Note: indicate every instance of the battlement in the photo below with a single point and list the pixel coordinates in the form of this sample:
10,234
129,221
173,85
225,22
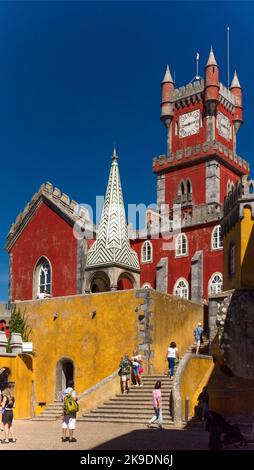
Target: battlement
199,151
227,98
61,201
193,92
243,192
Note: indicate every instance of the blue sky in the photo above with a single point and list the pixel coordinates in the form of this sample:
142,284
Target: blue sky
75,77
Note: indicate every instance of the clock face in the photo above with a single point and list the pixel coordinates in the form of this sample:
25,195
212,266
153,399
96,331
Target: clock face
189,123
224,126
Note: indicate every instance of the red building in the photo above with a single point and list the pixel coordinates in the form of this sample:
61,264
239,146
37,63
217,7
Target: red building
199,169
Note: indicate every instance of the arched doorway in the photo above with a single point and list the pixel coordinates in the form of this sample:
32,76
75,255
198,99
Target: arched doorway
100,283
64,373
125,282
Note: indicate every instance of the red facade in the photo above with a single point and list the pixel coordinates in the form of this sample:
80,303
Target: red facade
46,235
198,170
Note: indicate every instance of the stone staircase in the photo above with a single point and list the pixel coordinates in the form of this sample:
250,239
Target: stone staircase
135,407
204,347
52,412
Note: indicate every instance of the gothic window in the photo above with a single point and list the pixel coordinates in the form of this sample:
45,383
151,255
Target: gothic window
189,187
231,260
181,288
147,252
230,186
217,241
43,278
181,188
215,284
181,247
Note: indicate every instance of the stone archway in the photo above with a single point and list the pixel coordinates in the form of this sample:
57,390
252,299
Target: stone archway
125,282
64,373
100,283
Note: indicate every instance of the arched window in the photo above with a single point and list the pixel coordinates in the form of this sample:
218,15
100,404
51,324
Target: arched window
181,247
217,241
189,187
146,285
181,188
215,284
181,288
43,278
147,252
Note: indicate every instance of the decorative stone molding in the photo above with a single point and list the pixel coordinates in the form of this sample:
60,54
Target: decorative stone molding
3,342
16,344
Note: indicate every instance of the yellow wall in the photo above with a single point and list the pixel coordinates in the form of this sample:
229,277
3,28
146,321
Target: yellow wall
195,376
94,331
94,344
233,236
21,368
242,234
173,319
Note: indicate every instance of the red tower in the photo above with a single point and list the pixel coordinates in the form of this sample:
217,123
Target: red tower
199,169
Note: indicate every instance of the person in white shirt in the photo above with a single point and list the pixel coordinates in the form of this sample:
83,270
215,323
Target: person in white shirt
172,354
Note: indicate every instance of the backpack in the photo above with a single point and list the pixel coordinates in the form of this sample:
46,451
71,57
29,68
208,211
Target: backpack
70,405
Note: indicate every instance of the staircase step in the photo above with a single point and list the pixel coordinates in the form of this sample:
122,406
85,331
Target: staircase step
105,419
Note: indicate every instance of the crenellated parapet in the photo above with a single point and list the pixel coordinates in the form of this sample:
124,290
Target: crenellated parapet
240,197
198,151
55,198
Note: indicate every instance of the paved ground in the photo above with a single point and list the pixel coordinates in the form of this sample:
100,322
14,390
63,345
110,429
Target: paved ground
46,435
34,435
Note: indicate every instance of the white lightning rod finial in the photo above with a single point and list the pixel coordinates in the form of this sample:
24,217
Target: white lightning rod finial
228,53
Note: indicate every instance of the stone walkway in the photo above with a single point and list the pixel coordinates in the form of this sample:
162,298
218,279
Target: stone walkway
34,435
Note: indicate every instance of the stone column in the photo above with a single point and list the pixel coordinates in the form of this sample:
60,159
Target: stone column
162,276
197,277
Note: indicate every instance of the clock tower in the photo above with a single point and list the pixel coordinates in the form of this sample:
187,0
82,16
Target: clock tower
200,167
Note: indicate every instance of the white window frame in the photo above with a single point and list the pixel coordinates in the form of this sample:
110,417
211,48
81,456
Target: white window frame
39,268
211,283
146,285
177,287
179,252
216,238
144,252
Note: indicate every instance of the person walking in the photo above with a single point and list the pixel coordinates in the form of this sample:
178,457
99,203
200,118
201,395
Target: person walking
124,373
7,405
157,405
203,402
70,412
198,335
172,354
136,364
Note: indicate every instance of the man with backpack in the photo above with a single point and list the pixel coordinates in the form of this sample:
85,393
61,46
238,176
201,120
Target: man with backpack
70,410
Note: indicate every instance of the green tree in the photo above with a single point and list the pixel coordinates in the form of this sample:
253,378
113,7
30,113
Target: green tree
18,324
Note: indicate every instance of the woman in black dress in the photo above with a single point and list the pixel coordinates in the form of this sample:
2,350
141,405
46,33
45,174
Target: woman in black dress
7,405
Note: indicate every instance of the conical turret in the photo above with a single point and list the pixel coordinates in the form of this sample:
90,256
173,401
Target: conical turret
236,90
211,83
168,87
111,253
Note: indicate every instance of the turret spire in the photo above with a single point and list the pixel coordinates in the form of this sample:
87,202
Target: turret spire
168,77
211,58
235,82
114,156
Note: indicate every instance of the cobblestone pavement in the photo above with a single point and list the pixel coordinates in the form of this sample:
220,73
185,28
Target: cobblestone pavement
34,435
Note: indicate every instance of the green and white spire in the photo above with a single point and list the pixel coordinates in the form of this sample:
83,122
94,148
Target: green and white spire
112,246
